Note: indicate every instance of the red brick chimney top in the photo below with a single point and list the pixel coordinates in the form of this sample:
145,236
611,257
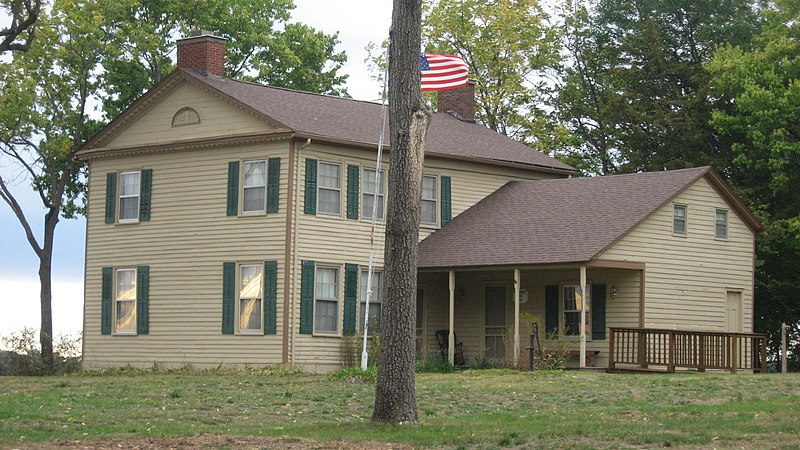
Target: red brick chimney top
203,52
458,102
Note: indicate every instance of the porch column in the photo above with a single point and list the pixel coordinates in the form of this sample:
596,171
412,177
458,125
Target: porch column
516,316
451,338
582,363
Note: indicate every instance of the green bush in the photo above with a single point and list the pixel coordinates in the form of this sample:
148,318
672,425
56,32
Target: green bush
434,365
24,355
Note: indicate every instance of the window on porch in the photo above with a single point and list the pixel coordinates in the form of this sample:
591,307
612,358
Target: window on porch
572,303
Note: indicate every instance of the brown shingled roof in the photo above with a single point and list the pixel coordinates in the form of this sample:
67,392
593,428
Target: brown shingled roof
559,221
358,122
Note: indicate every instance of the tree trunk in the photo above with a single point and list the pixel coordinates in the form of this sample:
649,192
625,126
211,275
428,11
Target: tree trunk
395,393
46,292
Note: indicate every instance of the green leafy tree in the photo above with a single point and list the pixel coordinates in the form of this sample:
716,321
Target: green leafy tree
761,86
509,46
45,119
262,46
633,86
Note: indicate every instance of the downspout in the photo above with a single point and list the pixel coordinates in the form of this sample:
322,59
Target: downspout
287,277
295,232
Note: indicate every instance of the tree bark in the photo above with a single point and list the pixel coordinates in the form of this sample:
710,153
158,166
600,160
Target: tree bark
395,392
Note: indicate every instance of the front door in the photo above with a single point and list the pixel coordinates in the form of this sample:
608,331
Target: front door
495,322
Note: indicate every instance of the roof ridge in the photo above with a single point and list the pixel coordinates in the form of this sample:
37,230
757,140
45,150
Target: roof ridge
298,91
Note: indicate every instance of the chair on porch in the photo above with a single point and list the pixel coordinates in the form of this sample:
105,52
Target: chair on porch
442,338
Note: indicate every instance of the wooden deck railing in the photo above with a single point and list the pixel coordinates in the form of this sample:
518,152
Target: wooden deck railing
645,347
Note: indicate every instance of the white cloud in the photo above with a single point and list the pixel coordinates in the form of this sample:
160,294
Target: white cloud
19,305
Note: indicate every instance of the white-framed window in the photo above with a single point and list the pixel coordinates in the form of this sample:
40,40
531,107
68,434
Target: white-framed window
374,302
326,300
679,218
254,187
125,301
721,224
429,210
250,298
368,194
329,189
571,305
129,192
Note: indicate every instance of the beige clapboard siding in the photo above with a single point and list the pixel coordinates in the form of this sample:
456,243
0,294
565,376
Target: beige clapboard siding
185,243
218,117
687,277
336,240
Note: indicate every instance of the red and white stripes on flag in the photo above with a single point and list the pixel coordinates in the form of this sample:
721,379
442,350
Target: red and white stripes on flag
443,72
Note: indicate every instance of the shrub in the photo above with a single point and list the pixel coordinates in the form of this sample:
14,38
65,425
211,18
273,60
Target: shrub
554,353
350,350
24,355
435,365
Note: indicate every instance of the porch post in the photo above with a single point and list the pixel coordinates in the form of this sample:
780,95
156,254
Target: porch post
582,363
516,316
451,339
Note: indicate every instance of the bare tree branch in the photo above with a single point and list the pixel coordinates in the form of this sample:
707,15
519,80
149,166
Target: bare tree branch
24,14
8,197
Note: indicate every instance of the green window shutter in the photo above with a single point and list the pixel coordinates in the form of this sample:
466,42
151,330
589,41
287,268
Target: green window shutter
111,197
307,297
352,191
551,309
233,188
228,297
144,194
311,187
350,297
270,296
105,300
143,300
598,305
447,205
273,184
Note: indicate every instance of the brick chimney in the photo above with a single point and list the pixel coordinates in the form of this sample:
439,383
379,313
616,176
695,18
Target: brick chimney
203,52
458,102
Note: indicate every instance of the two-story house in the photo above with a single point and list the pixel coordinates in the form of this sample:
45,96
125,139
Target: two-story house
229,223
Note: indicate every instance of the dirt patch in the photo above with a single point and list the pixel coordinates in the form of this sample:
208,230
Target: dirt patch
195,442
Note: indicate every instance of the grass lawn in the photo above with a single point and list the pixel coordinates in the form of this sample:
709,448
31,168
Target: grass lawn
487,409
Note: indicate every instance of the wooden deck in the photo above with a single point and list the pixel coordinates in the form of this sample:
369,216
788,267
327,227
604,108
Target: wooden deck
638,349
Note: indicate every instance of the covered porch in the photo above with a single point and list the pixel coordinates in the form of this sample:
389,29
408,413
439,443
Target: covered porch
489,310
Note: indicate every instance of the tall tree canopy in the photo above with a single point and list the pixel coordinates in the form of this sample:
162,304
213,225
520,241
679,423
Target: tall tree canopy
45,117
760,85
262,46
634,88
509,46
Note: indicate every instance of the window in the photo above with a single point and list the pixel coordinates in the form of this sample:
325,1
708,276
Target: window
571,309
326,300
185,116
125,301
428,213
368,194
679,219
255,187
329,189
721,228
250,298
129,190
374,302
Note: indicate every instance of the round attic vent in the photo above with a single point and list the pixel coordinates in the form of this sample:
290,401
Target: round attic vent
185,116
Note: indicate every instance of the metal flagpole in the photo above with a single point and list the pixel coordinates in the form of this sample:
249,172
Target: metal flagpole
371,266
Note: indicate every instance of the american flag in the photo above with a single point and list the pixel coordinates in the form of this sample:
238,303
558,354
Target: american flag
443,72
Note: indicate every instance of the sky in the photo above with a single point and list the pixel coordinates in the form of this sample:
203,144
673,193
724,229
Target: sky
358,22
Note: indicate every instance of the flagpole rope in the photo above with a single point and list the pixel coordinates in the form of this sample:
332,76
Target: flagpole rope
378,181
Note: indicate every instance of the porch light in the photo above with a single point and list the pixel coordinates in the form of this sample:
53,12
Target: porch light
462,295
613,291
